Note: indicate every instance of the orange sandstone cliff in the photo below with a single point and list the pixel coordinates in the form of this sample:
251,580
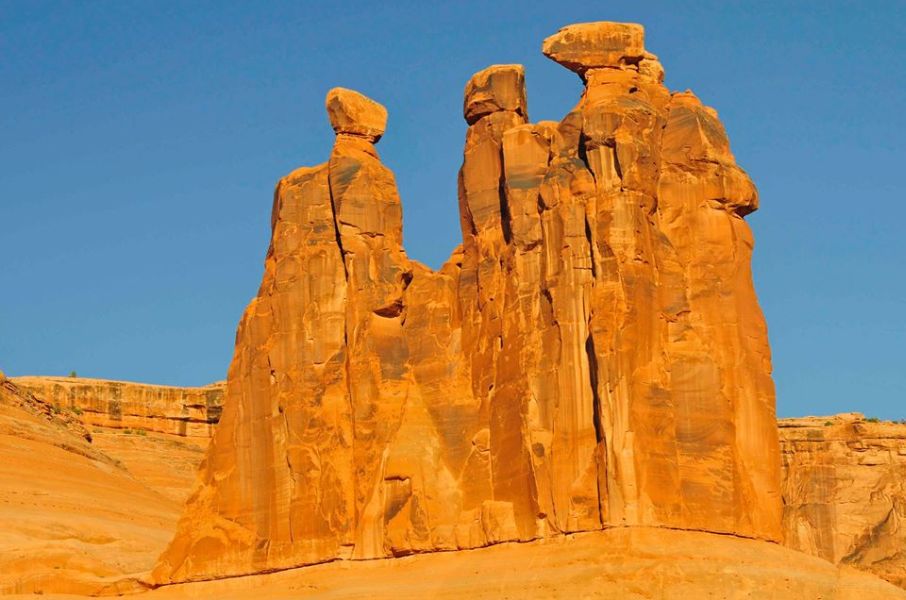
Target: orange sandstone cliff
183,411
592,356
844,491
82,511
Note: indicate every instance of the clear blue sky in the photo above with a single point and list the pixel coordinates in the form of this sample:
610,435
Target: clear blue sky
140,142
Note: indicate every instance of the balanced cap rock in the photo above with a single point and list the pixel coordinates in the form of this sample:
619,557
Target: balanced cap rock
597,45
355,114
496,88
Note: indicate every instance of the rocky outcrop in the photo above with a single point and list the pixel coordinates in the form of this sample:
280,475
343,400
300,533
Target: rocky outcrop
588,46
593,355
73,518
634,563
844,491
20,397
183,411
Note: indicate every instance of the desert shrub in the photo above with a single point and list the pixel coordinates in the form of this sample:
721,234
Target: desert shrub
873,420
73,374
828,423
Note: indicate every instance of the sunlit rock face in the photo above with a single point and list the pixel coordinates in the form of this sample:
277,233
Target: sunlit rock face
844,491
184,411
593,355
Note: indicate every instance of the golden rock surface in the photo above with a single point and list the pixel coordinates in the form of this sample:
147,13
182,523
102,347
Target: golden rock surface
632,563
844,492
82,517
352,113
183,411
497,88
585,46
593,355
101,513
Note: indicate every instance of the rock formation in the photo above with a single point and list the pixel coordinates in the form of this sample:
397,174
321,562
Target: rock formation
115,501
184,411
626,563
593,355
844,492
73,518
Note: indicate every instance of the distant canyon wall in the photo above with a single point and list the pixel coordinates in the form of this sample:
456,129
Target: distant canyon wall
844,491
183,411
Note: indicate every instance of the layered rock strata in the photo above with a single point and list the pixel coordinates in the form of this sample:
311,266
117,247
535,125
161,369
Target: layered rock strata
844,491
593,355
183,411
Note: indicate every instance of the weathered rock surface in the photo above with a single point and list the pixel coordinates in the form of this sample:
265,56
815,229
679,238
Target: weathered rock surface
628,563
593,355
497,88
599,45
352,113
21,397
844,492
72,518
849,462
183,411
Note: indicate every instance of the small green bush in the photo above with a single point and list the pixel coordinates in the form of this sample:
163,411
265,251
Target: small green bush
73,374
77,410
141,432
873,420
828,423
127,431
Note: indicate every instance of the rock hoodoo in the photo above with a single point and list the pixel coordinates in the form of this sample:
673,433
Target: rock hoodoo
593,355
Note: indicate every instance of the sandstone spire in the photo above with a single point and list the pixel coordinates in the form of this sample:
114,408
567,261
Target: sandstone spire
593,354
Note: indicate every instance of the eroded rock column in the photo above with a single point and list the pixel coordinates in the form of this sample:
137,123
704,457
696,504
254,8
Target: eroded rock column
593,355
276,487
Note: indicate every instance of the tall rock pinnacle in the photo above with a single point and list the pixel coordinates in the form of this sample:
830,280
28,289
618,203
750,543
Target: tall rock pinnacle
593,355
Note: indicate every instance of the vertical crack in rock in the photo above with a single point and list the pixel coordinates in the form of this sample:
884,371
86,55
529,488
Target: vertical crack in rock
616,162
592,355
505,218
